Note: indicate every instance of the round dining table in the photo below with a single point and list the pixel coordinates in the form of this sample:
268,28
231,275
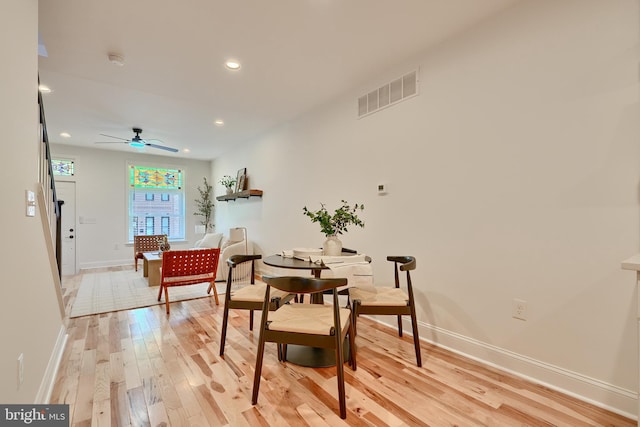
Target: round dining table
302,355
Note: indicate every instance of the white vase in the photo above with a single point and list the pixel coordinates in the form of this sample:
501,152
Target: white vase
332,246
229,190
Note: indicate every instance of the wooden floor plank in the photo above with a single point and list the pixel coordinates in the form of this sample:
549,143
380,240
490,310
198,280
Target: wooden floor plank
141,368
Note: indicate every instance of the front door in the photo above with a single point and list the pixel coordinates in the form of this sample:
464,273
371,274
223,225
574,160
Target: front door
66,191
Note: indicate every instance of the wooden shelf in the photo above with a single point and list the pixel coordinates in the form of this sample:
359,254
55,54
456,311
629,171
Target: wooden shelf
241,195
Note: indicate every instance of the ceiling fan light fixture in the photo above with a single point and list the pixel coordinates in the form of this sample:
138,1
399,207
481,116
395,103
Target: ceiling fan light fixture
116,59
136,144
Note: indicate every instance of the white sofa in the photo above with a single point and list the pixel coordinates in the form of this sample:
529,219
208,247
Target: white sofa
235,244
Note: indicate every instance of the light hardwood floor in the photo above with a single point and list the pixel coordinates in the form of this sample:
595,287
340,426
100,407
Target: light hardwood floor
142,368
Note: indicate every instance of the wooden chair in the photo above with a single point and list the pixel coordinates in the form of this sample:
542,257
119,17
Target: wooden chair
390,300
314,325
143,244
188,267
248,297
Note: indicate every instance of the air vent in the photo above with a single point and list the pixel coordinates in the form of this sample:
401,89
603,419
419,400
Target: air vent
389,94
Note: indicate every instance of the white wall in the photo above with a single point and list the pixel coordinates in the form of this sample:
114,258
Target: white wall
514,174
30,320
101,193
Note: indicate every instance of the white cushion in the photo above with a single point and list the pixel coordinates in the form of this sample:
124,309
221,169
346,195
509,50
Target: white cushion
379,296
307,319
226,243
210,240
255,293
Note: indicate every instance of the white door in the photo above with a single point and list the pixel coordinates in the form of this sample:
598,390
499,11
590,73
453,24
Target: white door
66,191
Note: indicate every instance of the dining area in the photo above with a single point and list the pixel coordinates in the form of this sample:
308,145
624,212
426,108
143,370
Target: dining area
295,337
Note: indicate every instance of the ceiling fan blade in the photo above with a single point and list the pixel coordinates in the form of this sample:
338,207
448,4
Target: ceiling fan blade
116,137
162,147
111,142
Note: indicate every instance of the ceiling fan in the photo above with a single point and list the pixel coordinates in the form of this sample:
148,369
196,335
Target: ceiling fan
137,142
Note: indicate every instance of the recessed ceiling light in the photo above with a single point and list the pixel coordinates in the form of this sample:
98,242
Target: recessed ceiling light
65,134
232,64
44,89
219,122
186,150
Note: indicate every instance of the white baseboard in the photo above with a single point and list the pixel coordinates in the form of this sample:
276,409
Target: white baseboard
596,392
111,263
49,378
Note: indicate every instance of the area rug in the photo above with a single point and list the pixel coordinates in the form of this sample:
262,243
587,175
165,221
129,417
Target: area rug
106,291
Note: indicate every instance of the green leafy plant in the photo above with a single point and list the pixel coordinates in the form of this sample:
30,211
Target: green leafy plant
228,181
337,223
204,205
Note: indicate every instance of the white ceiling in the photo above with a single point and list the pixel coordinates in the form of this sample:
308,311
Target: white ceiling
295,55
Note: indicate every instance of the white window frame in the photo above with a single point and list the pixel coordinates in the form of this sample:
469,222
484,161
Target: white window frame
178,225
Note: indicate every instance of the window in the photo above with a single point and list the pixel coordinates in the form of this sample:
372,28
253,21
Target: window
149,214
164,225
62,167
149,230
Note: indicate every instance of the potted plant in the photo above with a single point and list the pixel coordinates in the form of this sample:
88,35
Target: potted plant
204,205
228,182
333,224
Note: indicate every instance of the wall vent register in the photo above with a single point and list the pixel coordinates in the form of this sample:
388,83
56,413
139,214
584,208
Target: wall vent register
389,94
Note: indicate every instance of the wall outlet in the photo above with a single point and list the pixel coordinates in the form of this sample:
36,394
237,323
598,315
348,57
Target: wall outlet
20,369
519,309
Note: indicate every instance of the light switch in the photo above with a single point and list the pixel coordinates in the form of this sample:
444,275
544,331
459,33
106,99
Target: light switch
30,199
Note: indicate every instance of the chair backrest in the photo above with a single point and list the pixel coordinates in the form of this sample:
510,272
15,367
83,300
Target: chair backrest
304,285
147,243
190,262
403,263
242,268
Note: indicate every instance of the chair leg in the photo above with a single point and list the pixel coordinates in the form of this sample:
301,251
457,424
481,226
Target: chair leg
352,346
258,370
416,338
400,325
340,376
225,322
355,304
135,262
160,292
166,297
215,292
251,320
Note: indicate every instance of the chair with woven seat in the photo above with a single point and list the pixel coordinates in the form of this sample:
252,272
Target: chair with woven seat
188,267
244,293
380,300
313,325
146,243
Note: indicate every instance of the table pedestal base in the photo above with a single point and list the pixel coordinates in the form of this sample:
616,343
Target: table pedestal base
314,357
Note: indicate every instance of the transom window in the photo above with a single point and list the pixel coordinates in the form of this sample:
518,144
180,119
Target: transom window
156,202
62,167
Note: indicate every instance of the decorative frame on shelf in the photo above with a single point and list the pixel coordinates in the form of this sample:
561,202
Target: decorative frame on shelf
240,179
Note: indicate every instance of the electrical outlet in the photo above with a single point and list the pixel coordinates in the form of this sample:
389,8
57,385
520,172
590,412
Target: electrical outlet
519,309
20,369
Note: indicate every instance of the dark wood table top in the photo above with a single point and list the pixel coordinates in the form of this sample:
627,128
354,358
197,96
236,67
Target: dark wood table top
295,263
